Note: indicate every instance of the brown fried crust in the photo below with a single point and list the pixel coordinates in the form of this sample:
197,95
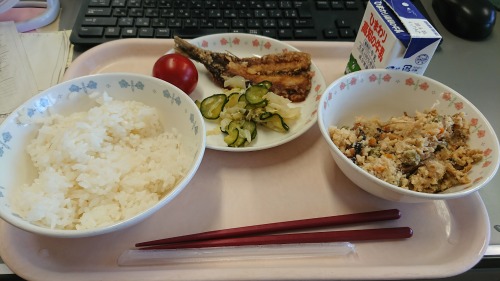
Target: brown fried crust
289,72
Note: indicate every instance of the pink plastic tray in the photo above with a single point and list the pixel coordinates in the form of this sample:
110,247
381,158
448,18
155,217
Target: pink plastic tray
293,181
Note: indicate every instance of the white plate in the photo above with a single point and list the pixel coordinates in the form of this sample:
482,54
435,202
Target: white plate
248,45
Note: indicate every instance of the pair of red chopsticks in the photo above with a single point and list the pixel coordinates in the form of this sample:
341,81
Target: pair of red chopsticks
257,234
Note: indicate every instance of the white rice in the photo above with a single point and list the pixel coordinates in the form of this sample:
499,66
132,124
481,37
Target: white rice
99,167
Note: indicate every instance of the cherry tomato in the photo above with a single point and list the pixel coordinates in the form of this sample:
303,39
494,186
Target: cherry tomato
177,70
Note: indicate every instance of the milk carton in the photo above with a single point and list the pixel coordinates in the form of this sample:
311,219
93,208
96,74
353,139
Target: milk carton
393,35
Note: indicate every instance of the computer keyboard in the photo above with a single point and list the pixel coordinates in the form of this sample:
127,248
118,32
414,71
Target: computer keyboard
99,21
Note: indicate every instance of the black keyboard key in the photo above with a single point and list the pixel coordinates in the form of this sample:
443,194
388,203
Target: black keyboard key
146,32
269,33
337,5
222,23
126,22
174,23
120,12
151,13
112,31
208,24
98,21
162,33
142,22
303,23
90,31
285,33
119,3
304,33
190,23
129,32
135,12
331,33
322,5
158,22
352,5
98,12
347,33
99,3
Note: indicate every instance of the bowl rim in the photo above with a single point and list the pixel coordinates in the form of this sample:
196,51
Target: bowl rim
20,223
394,188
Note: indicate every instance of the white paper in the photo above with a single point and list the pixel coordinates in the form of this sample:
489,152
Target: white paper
29,63
17,82
47,54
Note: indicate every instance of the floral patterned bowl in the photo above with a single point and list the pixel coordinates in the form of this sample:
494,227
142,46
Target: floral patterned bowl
176,110
389,93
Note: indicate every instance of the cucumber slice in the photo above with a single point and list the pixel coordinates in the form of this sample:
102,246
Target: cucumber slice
275,122
212,106
252,127
255,94
232,133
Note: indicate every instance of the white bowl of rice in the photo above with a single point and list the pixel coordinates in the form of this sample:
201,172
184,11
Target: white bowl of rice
407,138
97,154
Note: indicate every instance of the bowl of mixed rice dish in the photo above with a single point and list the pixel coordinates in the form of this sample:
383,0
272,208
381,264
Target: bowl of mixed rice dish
97,153
407,138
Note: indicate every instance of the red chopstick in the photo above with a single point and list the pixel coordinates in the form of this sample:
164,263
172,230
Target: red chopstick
365,217
313,237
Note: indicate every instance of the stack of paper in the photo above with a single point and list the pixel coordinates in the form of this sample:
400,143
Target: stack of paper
29,64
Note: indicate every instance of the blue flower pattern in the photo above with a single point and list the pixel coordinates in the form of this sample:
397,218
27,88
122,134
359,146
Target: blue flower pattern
138,85
90,85
173,98
6,137
123,84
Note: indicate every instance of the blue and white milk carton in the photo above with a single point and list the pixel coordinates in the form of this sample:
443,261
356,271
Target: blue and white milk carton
393,35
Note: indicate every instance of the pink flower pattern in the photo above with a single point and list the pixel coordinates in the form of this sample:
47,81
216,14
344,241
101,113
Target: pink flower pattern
481,133
204,44
387,78
446,96
424,86
473,122
317,88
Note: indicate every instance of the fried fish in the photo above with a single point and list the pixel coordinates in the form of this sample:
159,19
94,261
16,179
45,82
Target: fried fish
289,72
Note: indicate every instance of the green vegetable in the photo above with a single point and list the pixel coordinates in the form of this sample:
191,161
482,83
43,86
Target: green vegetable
255,94
212,106
274,122
238,113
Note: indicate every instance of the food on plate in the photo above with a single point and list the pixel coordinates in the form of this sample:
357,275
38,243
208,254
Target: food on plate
426,153
178,70
100,166
289,72
239,111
